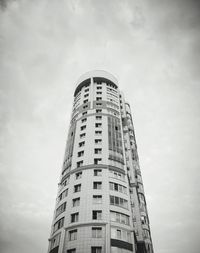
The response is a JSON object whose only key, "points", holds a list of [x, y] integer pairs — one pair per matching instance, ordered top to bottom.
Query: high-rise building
{"points": [[100, 206]]}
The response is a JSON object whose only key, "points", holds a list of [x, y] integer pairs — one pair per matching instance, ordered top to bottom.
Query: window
{"points": [[99, 87], [86, 90], [99, 92], [86, 95], [99, 98], [85, 101], [98, 104], [85, 106], [98, 110], [84, 113], [98, 117], [84, 120], [98, 124], [83, 127], [98, 132], [82, 135], [115, 137], [97, 141], [81, 144], [97, 150], [80, 153], [97, 160], [79, 164], [67, 167], [97, 172], [78, 175], [117, 175], [66, 181], [97, 185], [117, 187], [77, 188], [63, 195], [141, 197], [97, 199], [75, 202], [118, 202], [61, 209], [97, 215], [74, 217], [119, 217], [143, 220], [59, 224], [96, 232], [146, 233], [120, 234], [73, 235], [55, 241], [96, 249], [71, 251]]}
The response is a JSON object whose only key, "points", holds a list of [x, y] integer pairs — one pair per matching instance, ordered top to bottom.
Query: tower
{"points": [[100, 206]]}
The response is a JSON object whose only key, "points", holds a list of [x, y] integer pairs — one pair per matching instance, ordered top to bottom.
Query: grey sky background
{"points": [[152, 47]]}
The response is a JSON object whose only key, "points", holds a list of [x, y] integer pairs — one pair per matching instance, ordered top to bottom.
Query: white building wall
{"points": [[110, 107]]}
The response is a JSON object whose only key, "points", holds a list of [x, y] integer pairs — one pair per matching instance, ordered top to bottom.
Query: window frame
{"points": [[98, 125], [82, 127], [82, 135], [98, 141], [81, 144], [98, 151], [80, 153], [79, 164], [97, 174], [78, 175], [96, 185], [77, 188], [97, 199], [76, 202], [96, 214], [74, 217], [97, 232], [73, 234], [71, 250]]}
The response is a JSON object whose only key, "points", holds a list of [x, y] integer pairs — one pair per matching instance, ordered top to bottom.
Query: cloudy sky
{"points": [[152, 47]]}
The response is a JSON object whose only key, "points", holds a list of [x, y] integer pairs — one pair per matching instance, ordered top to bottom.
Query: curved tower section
{"points": [[100, 206]]}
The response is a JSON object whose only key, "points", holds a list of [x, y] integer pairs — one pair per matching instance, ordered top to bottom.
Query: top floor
{"points": [[95, 76]]}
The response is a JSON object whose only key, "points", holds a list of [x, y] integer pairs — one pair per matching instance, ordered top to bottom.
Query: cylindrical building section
{"points": [[93, 210]]}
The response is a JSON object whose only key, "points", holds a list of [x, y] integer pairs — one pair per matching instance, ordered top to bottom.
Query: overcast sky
{"points": [[152, 47]]}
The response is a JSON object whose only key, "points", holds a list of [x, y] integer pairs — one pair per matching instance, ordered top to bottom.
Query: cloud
{"points": [[176, 25], [152, 48]]}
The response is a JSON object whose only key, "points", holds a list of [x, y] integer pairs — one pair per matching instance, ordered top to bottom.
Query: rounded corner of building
{"points": [[95, 74]]}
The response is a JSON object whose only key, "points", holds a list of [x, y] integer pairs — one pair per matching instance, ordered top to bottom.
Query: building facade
{"points": [[100, 206]]}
